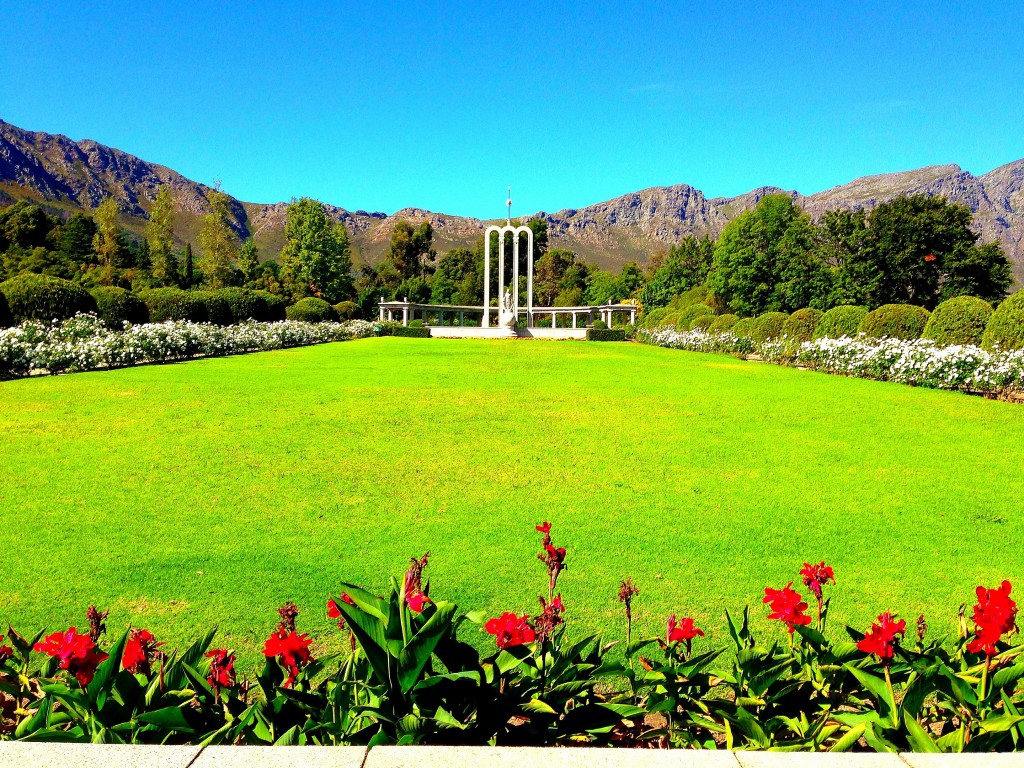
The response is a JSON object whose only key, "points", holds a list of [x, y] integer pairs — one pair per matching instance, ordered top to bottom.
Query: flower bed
{"points": [[84, 343], [917, 362], [411, 677]]}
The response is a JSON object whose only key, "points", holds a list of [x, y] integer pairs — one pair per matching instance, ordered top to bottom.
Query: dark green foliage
{"points": [[24, 225], [686, 266], [699, 294], [40, 297], [174, 304], [243, 304], [116, 306], [277, 306], [311, 310], [346, 310], [218, 311], [5, 313], [690, 313], [654, 317], [960, 320], [840, 321], [895, 321], [702, 322], [724, 322], [801, 324], [600, 325], [768, 326], [742, 327], [1005, 327], [411, 332], [606, 334]]}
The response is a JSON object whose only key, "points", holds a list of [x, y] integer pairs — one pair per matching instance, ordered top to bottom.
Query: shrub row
{"points": [[958, 321], [606, 334], [418, 669]]}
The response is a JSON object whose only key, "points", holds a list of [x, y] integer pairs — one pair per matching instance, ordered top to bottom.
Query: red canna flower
{"points": [[930, 257], [544, 527], [815, 576], [412, 588], [416, 601], [787, 606], [994, 616], [550, 617], [510, 630], [685, 630], [881, 638], [291, 649], [6, 652], [139, 652], [78, 654], [222, 668]]}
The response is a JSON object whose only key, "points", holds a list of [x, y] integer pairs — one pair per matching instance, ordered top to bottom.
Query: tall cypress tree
{"points": [[187, 267]]}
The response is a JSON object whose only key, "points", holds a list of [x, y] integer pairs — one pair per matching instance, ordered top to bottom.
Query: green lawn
{"points": [[184, 495]]}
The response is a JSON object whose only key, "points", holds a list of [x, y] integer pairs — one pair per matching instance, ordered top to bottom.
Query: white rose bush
{"points": [[84, 343], [920, 362]]}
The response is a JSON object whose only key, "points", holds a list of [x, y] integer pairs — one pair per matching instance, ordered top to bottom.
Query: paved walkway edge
{"points": [[46, 755]]}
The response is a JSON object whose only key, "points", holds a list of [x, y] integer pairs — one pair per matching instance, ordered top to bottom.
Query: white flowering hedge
{"points": [[84, 343], [919, 362]]}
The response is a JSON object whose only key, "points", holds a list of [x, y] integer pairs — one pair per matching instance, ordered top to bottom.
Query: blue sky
{"points": [[441, 105]]}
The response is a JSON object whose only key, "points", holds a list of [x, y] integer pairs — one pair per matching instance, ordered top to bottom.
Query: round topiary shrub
{"points": [[698, 295], [41, 297], [174, 304], [243, 304], [116, 306], [277, 306], [311, 310], [346, 310], [218, 311], [690, 313], [652, 318], [669, 320], [960, 320], [840, 321], [895, 321], [726, 322], [702, 323], [801, 324], [768, 326], [742, 327], [1005, 328]]}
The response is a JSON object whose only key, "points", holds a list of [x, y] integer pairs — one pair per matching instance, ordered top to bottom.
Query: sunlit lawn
{"points": [[210, 492]]}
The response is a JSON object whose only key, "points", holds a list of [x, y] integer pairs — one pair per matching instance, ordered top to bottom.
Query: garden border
{"points": [[46, 754]]}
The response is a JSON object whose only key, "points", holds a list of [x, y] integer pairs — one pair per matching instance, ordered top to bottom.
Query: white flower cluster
{"points": [[84, 343], [919, 362]]}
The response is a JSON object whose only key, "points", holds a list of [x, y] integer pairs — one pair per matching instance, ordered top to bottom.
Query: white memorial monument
{"points": [[508, 298]]}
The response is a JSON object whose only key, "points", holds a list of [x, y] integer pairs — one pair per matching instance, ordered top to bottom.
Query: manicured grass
{"points": [[212, 491]]}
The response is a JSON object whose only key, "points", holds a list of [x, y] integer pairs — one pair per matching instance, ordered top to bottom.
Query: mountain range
{"points": [[64, 175]]}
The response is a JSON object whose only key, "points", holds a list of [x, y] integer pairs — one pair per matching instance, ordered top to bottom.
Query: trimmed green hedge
{"points": [[697, 295], [41, 297], [174, 304], [244, 304], [116, 306], [277, 306], [217, 309], [311, 310], [346, 310], [688, 314], [654, 317], [961, 320], [840, 321], [895, 321], [724, 322], [702, 323], [801, 324], [768, 326], [742, 327], [1005, 328], [411, 333], [605, 334]]}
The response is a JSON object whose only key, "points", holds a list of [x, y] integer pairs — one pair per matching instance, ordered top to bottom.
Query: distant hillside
{"points": [[66, 175]]}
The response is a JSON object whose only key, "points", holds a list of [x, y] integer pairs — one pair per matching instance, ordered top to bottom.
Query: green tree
{"points": [[24, 225], [539, 227], [160, 236], [75, 237], [217, 241], [840, 243], [108, 244], [411, 249], [249, 260], [315, 260], [763, 261], [685, 266], [188, 267], [456, 271], [548, 272]]}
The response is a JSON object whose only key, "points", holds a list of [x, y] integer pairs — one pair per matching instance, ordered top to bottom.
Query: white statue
{"points": [[508, 311]]}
